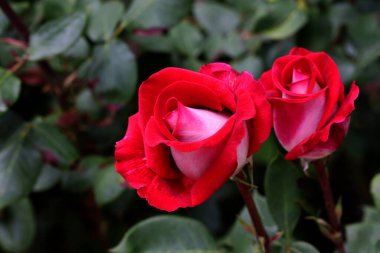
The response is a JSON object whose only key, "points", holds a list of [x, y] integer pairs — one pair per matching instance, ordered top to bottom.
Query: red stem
{"points": [[15, 20], [329, 203], [254, 214]]}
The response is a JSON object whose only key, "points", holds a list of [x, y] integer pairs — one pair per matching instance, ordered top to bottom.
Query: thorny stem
{"points": [[15, 20], [245, 192], [329, 204]]}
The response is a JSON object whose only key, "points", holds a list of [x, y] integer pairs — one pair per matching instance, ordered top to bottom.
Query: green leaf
{"points": [[156, 13], [216, 18], [103, 20], [3, 22], [288, 27], [56, 36], [186, 38], [156, 43], [233, 44], [213, 46], [80, 49], [254, 65], [113, 67], [10, 87], [85, 102], [9, 123], [49, 137], [268, 149], [20, 165], [48, 177], [83, 178], [108, 185], [375, 190], [282, 193], [371, 215], [17, 226], [169, 234], [363, 237], [238, 239], [303, 247]]}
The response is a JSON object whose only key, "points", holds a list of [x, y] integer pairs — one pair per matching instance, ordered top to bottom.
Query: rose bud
{"points": [[311, 114], [192, 132]]}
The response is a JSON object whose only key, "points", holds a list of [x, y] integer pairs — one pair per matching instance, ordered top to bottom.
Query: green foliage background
{"points": [[68, 85]]}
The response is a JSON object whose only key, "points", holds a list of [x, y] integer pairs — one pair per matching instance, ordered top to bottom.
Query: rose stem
{"points": [[15, 20], [329, 203], [255, 217]]}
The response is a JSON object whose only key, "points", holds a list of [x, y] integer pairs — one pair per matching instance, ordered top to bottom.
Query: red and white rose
{"points": [[311, 113], [192, 132]]}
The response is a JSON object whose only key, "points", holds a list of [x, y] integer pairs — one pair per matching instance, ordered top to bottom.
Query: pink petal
{"points": [[294, 122], [190, 124]]}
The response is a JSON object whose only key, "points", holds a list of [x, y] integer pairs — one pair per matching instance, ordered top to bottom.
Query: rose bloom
{"points": [[311, 114], [192, 132]]}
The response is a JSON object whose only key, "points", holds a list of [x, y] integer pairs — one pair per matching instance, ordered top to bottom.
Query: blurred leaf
{"points": [[245, 5], [87, 6], [52, 9], [156, 13], [340, 14], [216, 18], [3, 21], [103, 21], [288, 27], [364, 30], [56, 36], [310, 36], [186, 38], [154, 43], [233, 44], [213, 46], [80, 49], [280, 49], [367, 56], [191, 64], [254, 65], [113, 67], [346, 68], [10, 87], [85, 102], [9, 123], [49, 137], [268, 149], [20, 165], [48, 177], [84, 177], [108, 185], [375, 190], [282, 192], [371, 215], [17, 226], [168, 234], [362, 237], [239, 239], [303, 247]]}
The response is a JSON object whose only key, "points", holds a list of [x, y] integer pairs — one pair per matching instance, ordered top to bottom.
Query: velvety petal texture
{"points": [[311, 114], [192, 132]]}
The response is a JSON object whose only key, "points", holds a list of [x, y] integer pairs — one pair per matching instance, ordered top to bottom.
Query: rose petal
{"points": [[294, 122], [190, 124], [328, 139], [130, 157]]}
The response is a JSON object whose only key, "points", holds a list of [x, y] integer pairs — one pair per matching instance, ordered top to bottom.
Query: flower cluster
{"points": [[194, 130]]}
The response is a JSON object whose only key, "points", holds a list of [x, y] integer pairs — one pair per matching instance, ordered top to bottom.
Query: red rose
{"points": [[310, 111], [191, 133]]}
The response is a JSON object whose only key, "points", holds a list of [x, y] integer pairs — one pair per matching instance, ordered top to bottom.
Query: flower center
{"points": [[302, 84], [190, 125]]}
